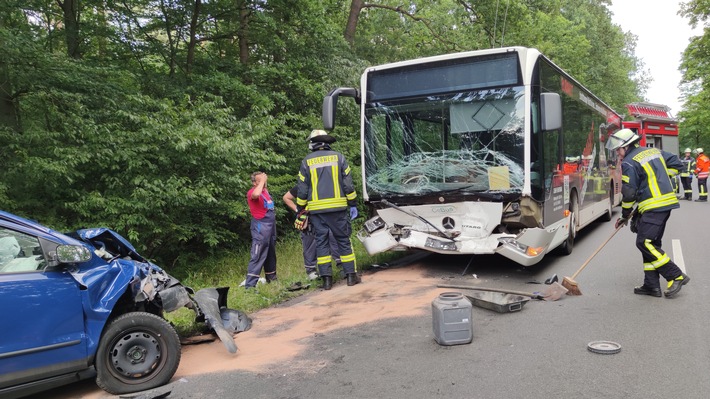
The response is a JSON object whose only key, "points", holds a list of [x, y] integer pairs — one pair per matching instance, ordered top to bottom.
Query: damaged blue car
{"points": [[85, 304]]}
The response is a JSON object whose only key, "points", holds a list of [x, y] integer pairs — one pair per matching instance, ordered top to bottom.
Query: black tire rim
{"points": [[136, 355]]}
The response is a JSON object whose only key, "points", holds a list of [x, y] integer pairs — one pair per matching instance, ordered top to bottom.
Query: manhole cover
{"points": [[604, 347]]}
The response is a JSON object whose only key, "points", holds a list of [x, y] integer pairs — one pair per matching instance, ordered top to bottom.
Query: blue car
{"points": [[85, 304]]}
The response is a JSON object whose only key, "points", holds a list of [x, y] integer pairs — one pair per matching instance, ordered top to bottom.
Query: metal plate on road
{"points": [[604, 347]]}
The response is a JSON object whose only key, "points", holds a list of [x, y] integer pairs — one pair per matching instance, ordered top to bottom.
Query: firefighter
{"points": [[702, 169], [686, 174], [646, 184], [326, 191]]}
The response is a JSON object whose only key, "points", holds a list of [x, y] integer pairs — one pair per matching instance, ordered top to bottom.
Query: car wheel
{"points": [[137, 351]]}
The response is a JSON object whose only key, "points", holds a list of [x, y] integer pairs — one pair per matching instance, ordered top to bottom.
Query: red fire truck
{"points": [[655, 124]]}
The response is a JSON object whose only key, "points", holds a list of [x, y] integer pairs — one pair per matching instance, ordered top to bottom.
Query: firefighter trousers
{"points": [[687, 188], [703, 189], [338, 223], [650, 229], [263, 249], [310, 257]]}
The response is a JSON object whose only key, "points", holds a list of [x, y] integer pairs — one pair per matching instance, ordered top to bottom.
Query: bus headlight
{"points": [[374, 224], [527, 250]]}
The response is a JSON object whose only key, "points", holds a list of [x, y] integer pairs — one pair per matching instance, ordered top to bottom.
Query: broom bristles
{"points": [[572, 286]]}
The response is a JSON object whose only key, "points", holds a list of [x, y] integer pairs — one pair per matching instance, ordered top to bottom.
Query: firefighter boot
{"points": [[353, 279], [327, 282], [675, 285], [644, 290]]}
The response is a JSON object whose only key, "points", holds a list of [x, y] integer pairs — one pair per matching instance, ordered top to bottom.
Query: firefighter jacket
{"points": [[688, 166], [702, 166], [646, 181], [325, 183]]}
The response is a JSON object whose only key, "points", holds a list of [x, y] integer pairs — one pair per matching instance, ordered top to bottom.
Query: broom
{"points": [[570, 283]]}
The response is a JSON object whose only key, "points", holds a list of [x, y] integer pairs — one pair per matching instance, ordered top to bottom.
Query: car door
{"points": [[41, 312]]}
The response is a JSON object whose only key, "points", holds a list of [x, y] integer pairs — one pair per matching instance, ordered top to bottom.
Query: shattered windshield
{"points": [[469, 142]]}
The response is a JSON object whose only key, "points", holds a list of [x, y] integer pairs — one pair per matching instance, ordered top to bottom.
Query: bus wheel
{"points": [[568, 244]]}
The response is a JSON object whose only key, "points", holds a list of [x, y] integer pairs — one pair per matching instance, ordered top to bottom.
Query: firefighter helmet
{"points": [[320, 136], [622, 138], [688, 150], [699, 150]]}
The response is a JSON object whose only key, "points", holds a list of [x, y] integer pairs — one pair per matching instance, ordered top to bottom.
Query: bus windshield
{"points": [[468, 142]]}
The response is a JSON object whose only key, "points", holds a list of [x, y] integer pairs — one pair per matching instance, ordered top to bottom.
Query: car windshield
{"points": [[467, 142]]}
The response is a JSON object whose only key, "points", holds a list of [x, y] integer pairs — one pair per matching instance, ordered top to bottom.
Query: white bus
{"points": [[481, 152]]}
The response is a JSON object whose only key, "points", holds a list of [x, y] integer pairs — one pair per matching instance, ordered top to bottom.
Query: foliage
{"points": [[695, 66], [148, 116]]}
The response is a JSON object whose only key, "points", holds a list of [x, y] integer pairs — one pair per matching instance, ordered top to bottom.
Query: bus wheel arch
{"points": [[606, 217], [568, 244]]}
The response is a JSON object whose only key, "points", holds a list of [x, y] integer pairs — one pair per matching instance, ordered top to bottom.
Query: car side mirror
{"points": [[73, 254]]}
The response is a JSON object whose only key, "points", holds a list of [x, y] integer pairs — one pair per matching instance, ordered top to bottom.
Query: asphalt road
{"points": [[538, 352]]}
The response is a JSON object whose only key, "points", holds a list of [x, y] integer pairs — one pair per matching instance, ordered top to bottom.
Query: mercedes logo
{"points": [[448, 223]]}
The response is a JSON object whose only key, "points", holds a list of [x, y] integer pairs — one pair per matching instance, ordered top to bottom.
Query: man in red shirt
{"points": [[263, 232]]}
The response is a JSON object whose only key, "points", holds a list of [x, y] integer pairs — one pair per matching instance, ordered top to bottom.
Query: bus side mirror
{"points": [[330, 104], [551, 110]]}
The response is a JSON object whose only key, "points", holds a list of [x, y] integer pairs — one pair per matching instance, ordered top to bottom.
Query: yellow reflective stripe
{"points": [[347, 171], [301, 177], [625, 178], [336, 181], [652, 182], [314, 184], [351, 196], [301, 202], [654, 203], [327, 204], [627, 205], [348, 258], [324, 259], [661, 259]]}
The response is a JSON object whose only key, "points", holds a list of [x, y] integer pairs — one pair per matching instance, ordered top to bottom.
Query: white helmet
{"points": [[622, 138], [688, 150], [699, 150]]}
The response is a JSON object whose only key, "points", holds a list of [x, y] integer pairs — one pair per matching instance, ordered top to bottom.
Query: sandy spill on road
{"points": [[281, 333], [278, 335]]}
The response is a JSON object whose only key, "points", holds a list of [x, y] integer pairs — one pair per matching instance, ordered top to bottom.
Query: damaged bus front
{"points": [[462, 154]]}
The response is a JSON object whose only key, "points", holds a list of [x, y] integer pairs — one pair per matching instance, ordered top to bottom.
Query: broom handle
{"points": [[596, 252]]}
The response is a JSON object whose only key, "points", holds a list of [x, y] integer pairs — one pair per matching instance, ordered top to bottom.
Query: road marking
{"points": [[678, 255]]}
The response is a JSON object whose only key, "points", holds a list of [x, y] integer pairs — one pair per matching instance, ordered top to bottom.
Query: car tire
{"points": [[137, 351]]}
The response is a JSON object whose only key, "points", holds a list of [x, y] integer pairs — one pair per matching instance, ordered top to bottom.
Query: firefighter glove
{"points": [[353, 212], [301, 222], [621, 222]]}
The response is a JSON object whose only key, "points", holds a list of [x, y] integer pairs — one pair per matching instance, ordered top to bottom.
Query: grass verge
{"points": [[229, 269]]}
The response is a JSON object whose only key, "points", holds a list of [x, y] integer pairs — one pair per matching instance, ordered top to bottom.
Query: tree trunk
{"points": [[70, 9], [350, 28], [243, 29], [193, 40]]}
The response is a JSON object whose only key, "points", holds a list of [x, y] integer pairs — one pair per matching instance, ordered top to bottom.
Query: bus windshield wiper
{"points": [[384, 201]]}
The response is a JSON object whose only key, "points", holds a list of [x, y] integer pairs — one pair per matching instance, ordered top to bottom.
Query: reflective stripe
{"points": [[347, 170], [301, 177], [624, 178], [336, 181], [652, 181], [314, 184], [351, 196], [331, 203], [655, 203], [627, 205], [347, 258], [661, 259], [324, 260]]}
